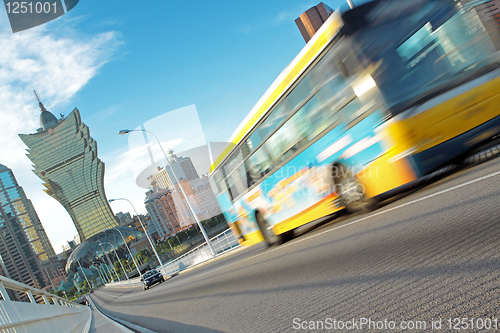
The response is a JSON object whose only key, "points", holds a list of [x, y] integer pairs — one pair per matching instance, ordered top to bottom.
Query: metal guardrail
{"points": [[222, 243], [59, 316]]}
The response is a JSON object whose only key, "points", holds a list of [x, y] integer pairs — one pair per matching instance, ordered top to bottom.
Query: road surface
{"points": [[427, 258]]}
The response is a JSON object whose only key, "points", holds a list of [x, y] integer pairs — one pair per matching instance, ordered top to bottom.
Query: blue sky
{"points": [[122, 63]]}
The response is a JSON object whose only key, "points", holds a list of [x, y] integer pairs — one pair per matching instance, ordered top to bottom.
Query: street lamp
{"points": [[123, 132], [145, 231], [130, 252], [109, 261], [124, 271], [100, 274], [107, 274], [84, 275], [49, 278]]}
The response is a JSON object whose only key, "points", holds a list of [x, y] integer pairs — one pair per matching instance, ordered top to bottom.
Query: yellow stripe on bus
{"points": [[322, 208], [252, 238]]}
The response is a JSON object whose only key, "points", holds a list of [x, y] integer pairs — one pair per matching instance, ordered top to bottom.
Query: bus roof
{"points": [[284, 81]]}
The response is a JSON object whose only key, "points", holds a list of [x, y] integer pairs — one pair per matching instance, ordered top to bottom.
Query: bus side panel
{"points": [[457, 124], [429, 136], [302, 190], [241, 222]]}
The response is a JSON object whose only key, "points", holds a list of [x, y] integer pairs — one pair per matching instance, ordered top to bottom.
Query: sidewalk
{"points": [[101, 323]]}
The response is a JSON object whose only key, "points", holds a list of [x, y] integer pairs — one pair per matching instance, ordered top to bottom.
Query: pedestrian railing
{"points": [[222, 243], [124, 283], [55, 314]]}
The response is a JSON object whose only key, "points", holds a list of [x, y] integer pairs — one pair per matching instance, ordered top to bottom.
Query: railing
{"points": [[222, 243], [60, 315]]}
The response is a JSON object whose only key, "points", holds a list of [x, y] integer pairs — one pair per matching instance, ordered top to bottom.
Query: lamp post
{"points": [[123, 132], [145, 231], [130, 252], [109, 261], [123, 268], [99, 272], [103, 272], [107, 274], [84, 275], [49, 277]]}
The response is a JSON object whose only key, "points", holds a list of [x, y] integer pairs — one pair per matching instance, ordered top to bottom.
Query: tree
{"points": [[144, 255], [118, 267], [84, 286], [72, 291], [58, 293]]}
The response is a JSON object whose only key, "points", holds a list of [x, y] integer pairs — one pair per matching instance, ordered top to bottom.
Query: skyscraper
{"points": [[489, 14], [312, 19], [64, 156], [167, 206], [19, 210], [163, 212], [18, 261]]}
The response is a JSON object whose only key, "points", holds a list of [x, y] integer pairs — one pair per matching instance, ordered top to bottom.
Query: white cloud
{"points": [[57, 67], [135, 160]]}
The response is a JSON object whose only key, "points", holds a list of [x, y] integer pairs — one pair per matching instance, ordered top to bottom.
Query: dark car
{"points": [[150, 278]]}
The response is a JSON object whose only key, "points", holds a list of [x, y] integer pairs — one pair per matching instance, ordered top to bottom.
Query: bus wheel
{"points": [[351, 191], [266, 230], [287, 236]]}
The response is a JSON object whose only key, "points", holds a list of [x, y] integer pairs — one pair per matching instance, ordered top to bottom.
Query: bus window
{"points": [[426, 54], [322, 74], [275, 119], [286, 141], [232, 162], [259, 164], [237, 181], [218, 183]]}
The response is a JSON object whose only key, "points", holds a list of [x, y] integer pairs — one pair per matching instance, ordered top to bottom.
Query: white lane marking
{"points": [[341, 226]]}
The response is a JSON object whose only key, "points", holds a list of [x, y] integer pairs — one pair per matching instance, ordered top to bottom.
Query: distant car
{"points": [[150, 278]]}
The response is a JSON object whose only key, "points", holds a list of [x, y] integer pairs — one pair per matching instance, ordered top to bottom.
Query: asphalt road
{"points": [[430, 256]]}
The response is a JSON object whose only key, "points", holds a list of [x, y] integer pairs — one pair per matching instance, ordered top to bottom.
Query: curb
{"points": [[120, 322]]}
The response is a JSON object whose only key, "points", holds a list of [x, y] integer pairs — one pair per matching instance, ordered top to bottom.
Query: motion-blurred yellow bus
{"points": [[381, 96]]}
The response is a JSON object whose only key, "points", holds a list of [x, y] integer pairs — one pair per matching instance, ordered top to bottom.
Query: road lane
{"points": [[431, 254]]}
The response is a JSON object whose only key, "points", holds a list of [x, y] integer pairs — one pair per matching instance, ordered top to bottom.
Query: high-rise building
{"points": [[489, 14], [312, 19], [64, 156], [183, 167], [160, 180], [205, 199], [167, 206], [19, 210], [163, 212], [123, 217], [18, 260]]}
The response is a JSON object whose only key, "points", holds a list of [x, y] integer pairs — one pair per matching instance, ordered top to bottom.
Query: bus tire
{"points": [[350, 190], [269, 236], [287, 236]]}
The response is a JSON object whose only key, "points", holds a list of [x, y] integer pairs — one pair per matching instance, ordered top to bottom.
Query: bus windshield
{"points": [[425, 53]]}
